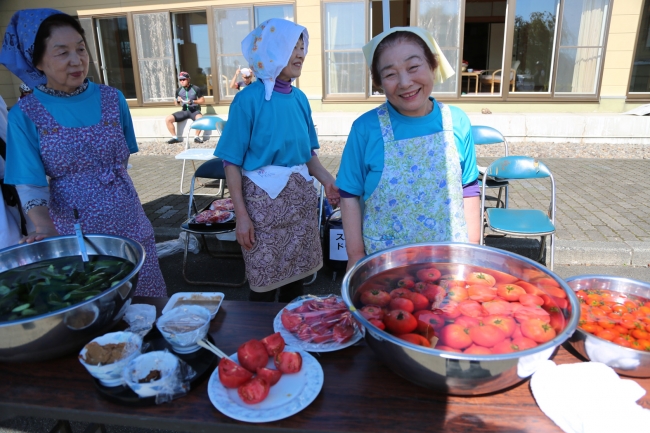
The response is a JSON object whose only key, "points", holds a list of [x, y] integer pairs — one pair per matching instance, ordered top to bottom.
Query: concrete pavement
{"points": [[603, 205]]}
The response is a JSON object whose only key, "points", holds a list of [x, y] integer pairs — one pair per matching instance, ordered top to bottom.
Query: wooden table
{"points": [[470, 75], [359, 394]]}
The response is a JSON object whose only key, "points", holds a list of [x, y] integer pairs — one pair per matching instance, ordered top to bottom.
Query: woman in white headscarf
{"points": [[268, 150], [411, 160]]}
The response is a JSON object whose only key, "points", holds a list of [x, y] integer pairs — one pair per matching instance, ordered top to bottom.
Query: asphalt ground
{"points": [[603, 227]]}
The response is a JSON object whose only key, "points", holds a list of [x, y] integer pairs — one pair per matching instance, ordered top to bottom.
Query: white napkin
{"points": [[273, 178], [589, 397]]}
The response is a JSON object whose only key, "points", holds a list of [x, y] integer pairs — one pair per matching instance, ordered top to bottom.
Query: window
{"points": [[344, 35], [192, 48], [115, 55], [155, 56], [93, 67], [640, 80]]}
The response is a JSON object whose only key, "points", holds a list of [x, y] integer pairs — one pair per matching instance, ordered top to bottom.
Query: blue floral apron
{"points": [[87, 173], [419, 197]]}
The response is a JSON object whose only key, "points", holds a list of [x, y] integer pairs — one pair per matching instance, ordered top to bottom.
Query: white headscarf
{"points": [[268, 49], [444, 69]]}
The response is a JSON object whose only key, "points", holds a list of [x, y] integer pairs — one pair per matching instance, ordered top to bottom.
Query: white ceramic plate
{"points": [[203, 299], [294, 341], [290, 395]]}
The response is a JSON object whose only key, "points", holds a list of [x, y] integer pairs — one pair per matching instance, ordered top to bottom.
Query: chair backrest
{"points": [[513, 69], [209, 123], [486, 135], [518, 167], [212, 169]]}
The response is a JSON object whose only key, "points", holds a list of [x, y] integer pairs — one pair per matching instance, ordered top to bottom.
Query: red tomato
{"points": [[428, 274], [502, 277], [480, 278], [547, 281], [406, 283], [531, 289], [553, 291], [510, 292], [400, 293], [433, 293], [481, 293], [457, 294], [380, 298], [531, 300], [552, 301], [420, 302], [401, 304], [497, 306], [472, 309], [450, 310], [372, 312], [526, 313], [430, 318], [557, 319], [291, 321], [400, 322], [467, 322], [378, 323], [506, 323], [538, 330], [342, 332], [517, 332], [486, 335], [455, 336], [416, 339], [524, 343], [273, 344], [505, 346], [447, 348], [478, 350], [252, 355], [288, 362], [231, 374], [270, 375], [254, 391]]}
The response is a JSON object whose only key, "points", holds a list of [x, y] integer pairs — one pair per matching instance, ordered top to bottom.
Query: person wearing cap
{"points": [[247, 78], [189, 97], [268, 147], [411, 161]]}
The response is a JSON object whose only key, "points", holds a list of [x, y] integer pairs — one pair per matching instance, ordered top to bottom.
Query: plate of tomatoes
{"points": [[318, 324], [287, 384]]}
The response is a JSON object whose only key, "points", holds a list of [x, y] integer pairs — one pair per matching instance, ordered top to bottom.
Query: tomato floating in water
{"points": [[430, 274], [480, 278], [510, 292], [375, 297], [401, 304], [372, 312], [400, 322], [538, 330], [486, 335], [455, 336], [415, 339]]}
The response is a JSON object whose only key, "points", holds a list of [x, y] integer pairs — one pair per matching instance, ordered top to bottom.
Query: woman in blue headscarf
{"points": [[77, 133]]}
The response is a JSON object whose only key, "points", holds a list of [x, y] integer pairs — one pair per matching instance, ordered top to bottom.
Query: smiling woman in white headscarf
{"points": [[268, 148], [411, 160]]}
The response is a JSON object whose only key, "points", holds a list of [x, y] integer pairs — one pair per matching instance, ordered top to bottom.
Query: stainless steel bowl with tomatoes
{"points": [[458, 318], [614, 325]]}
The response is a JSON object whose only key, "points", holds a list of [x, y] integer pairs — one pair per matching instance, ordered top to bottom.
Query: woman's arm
{"points": [[233, 83], [326, 179], [473, 218], [43, 225], [352, 228], [244, 230]]}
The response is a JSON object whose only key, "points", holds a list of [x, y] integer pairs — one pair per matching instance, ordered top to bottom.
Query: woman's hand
{"points": [[332, 194], [245, 232], [39, 234], [353, 259]]}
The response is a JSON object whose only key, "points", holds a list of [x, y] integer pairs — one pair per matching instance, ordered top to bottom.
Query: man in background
{"points": [[247, 78], [189, 97]]}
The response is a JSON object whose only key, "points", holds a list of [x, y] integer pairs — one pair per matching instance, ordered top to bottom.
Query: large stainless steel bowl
{"points": [[65, 331], [628, 362], [447, 372]]}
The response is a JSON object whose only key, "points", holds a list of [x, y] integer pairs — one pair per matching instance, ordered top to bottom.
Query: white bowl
{"points": [[173, 324], [140, 367], [111, 374]]}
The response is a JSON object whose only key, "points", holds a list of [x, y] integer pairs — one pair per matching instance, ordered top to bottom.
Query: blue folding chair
{"points": [[205, 123], [484, 135], [520, 222]]}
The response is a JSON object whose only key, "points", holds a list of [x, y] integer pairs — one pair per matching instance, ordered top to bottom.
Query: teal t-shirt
{"points": [[259, 132], [362, 162], [24, 164]]}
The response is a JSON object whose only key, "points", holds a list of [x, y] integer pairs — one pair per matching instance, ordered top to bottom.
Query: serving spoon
{"points": [[80, 237]]}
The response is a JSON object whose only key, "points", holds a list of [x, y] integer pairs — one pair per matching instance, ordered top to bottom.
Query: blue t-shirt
{"points": [[259, 132], [362, 162], [24, 164]]}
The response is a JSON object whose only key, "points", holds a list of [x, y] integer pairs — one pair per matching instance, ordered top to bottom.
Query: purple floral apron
{"points": [[87, 173]]}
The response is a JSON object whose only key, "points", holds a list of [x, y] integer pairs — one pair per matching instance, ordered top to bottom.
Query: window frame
{"points": [[637, 96]]}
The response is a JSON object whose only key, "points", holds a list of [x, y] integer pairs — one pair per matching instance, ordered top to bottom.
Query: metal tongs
{"points": [[80, 237], [212, 348]]}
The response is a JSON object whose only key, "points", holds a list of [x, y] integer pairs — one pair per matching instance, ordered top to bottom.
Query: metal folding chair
{"points": [[205, 123], [484, 135], [212, 169], [520, 222]]}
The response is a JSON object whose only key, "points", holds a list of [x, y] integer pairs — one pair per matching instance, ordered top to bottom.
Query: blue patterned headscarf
{"points": [[18, 45]]}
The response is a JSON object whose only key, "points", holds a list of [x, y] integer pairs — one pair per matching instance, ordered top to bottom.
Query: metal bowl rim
{"points": [[135, 270], [566, 333]]}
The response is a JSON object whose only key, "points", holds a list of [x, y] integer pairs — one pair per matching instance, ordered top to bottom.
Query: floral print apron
{"points": [[87, 173], [419, 197]]}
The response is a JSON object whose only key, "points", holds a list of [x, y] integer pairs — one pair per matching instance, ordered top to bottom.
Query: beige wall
{"points": [[619, 54]]}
